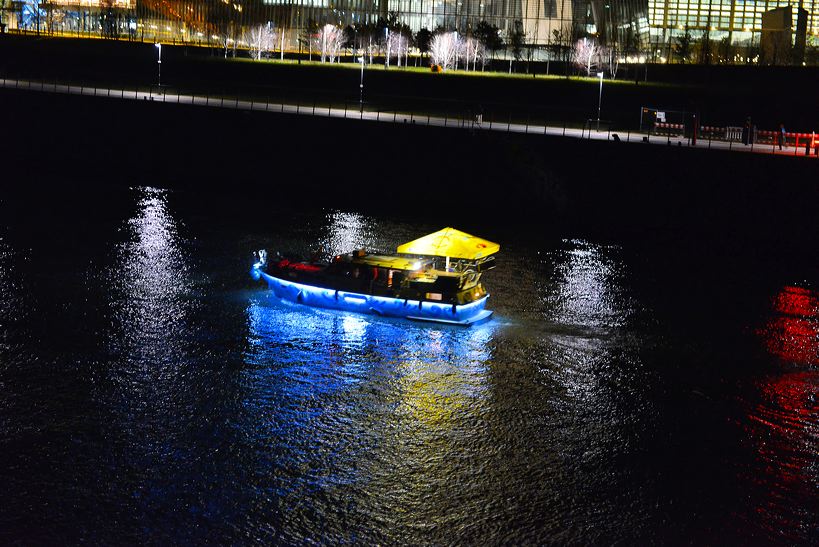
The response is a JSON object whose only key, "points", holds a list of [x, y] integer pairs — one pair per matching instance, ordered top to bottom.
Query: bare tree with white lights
{"points": [[260, 39], [331, 42], [398, 46], [443, 49], [473, 51], [587, 55], [612, 60]]}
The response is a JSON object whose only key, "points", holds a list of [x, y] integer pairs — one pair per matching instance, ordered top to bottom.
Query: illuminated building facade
{"points": [[183, 19], [722, 23], [654, 27]]}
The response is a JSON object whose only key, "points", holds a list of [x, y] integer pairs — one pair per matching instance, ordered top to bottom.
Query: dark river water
{"points": [[643, 390]]}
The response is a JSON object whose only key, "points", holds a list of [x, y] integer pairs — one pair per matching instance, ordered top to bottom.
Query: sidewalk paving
{"points": [[237, 103]]}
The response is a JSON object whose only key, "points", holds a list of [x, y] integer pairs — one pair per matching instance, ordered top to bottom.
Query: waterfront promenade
{"points": [[354, 111]]}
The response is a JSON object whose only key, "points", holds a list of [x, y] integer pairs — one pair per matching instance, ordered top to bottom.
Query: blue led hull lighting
{"points": [[418, 310]]}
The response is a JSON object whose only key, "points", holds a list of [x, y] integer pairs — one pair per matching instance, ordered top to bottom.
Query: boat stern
{"points": [[259, 264]]}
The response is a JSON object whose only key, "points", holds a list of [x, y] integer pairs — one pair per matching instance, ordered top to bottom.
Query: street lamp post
{"points": [[159, 65], [361, 85], [599, 99]]}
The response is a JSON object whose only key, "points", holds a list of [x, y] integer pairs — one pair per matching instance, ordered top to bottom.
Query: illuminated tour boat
{"points": [[434, 278]]}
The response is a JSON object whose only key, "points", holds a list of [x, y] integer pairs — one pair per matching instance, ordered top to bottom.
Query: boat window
{"points": [[341, 269], [397, 277]]}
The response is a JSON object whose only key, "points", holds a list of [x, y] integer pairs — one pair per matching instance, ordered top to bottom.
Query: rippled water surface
{"points": [[661, 390]]}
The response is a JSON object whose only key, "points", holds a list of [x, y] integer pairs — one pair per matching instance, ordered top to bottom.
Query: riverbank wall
{"points": [[721, 95], [53, 143]]}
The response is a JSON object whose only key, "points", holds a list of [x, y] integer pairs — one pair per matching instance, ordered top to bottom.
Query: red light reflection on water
{"points": [[792, 333], [788, 405], [783, 419], [785, 429]]}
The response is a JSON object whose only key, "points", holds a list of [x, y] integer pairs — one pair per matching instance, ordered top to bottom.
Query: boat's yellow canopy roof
{"points": [[452, 243]]}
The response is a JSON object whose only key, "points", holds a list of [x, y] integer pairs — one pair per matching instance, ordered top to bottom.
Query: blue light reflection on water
{"points": [[290, 333], [351, 398]]}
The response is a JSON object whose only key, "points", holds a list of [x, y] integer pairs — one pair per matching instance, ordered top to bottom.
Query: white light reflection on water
{"points": [[346, 232], [5, 283], [586, 288], [153, 299], [9, 301], [13, 302], [588, 309], [354, 327], [592, 377], [154, 392]]}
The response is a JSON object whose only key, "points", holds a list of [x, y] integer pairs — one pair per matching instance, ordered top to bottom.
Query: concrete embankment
{"points": [[722, 95], [548, 182]]}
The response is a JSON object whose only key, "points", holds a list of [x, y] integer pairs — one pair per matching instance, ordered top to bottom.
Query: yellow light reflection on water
{"points": [[446, 378]]}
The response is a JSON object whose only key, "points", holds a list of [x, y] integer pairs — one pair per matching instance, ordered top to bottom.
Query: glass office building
{"points": [[192, 19], [732, 22]]}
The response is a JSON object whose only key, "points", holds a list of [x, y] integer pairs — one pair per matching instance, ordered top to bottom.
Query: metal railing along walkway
{"points": [[354, 110]]}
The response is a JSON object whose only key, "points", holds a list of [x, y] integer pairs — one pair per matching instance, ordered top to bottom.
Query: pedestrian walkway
{"points": [[354, 111]]}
